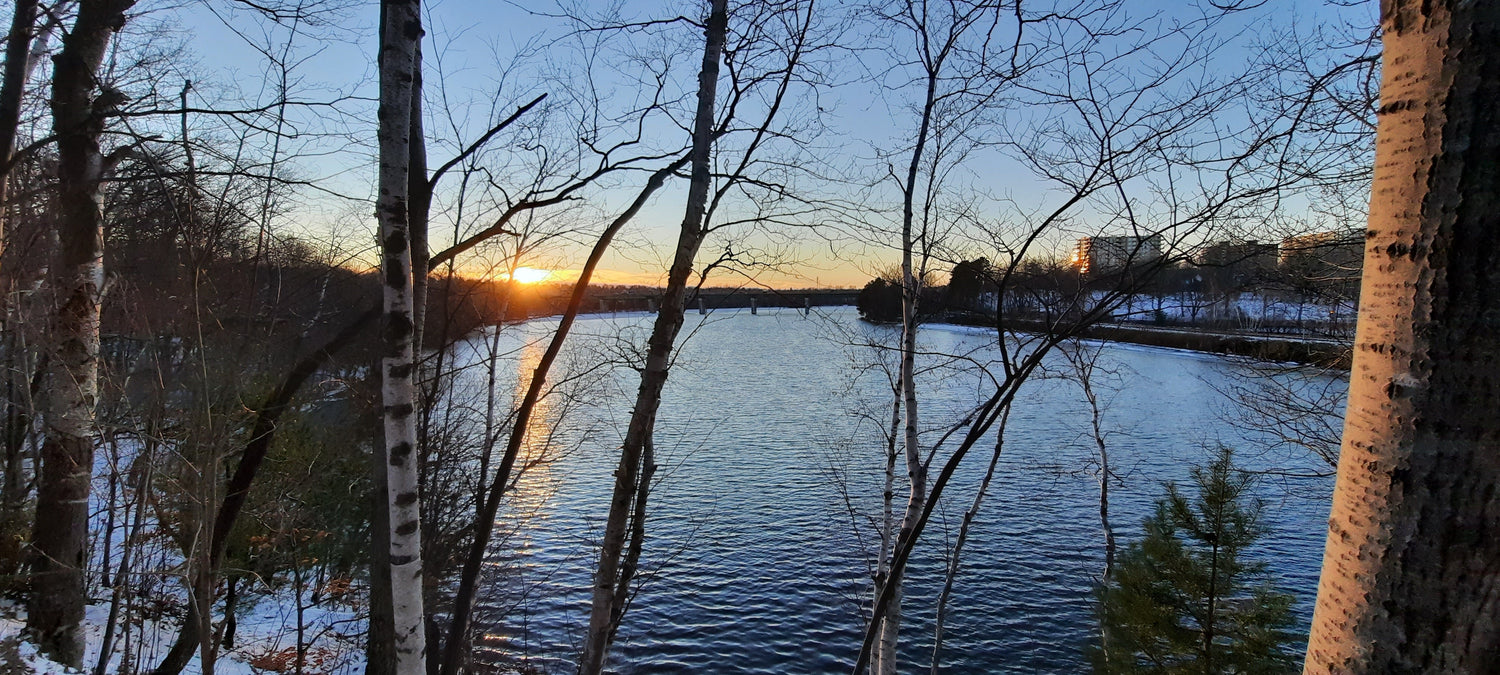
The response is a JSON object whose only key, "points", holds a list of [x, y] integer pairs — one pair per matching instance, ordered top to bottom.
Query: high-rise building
{"points": [[1337, 249], [1096, 255]]}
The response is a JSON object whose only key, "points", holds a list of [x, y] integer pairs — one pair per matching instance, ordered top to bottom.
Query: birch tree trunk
{"points": [[400, 33], [60, 537], [1410, 578], [603, 613], [379, 655], [883, 661]]}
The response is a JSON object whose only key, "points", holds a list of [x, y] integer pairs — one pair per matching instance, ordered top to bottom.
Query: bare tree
{"points": [[950, 49], [760, 63], [1117, 136], [17, 362], [1084, 368], [504, 478], [60, 538], [955, 555], [603, 614]]}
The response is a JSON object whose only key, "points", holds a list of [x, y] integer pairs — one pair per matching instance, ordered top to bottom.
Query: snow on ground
{"points": [[1246, 307], [266, 635], [265, 642]]}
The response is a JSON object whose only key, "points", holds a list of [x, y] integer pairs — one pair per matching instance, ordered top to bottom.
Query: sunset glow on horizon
{"points": [[530, 275]]}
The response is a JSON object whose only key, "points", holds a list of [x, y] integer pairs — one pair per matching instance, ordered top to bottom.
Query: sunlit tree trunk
{"points": [[400, 32], [60, 538], [1410, 576], [604, 611]]}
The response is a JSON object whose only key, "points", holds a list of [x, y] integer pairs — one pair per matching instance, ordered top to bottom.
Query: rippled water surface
{"points": [[757, 564]]}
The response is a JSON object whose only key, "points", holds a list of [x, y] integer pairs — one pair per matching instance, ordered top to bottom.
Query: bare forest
{"points": [[749, 336]]}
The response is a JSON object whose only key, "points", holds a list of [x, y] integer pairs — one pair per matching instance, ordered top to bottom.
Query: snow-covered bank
{"points": [[265, 641]]}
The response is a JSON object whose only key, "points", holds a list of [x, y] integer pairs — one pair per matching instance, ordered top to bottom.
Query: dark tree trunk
{"points": [[12, 86], [17, 413], [60, 538], [463, 601], [603, 613]]}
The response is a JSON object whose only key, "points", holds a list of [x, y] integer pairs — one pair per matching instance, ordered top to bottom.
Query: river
{"points": [[755, 561]]}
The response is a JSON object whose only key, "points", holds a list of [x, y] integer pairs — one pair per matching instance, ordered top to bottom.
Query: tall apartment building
{"points": [[1334, 249], [1097, 255]]}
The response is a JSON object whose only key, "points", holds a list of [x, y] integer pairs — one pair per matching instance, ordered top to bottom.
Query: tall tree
{"points": [[400, 34], [761, 63], [957, 72], [60, 539], [1409, 575], [603, 616]]}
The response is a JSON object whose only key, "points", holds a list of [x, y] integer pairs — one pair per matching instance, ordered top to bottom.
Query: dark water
{"points": [[758, 568]]}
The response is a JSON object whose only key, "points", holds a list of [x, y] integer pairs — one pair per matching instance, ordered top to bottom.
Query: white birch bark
{"points": [[400, 32], [60, 537], [1410, 576], [883, 661]]}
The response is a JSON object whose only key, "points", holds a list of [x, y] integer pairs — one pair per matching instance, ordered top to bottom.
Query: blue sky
{"points": [[472, 48]]}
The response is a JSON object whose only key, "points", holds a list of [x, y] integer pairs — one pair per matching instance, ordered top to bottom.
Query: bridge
{"points": [[710, 299]]}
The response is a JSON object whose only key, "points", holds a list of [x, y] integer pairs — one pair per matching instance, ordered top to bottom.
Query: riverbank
{"points": [[1311, 350], [1326, 352]]}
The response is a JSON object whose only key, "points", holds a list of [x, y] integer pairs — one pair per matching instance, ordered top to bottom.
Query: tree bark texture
{"points": [[400, 33], [419, 207], [60, 538], [1410, 578], [603, 614]]}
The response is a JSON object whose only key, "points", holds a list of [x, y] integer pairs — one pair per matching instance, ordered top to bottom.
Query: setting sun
{"points": [[530, 275]]}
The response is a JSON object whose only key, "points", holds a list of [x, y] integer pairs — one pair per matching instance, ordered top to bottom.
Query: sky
{"points": [[484, 57]]}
